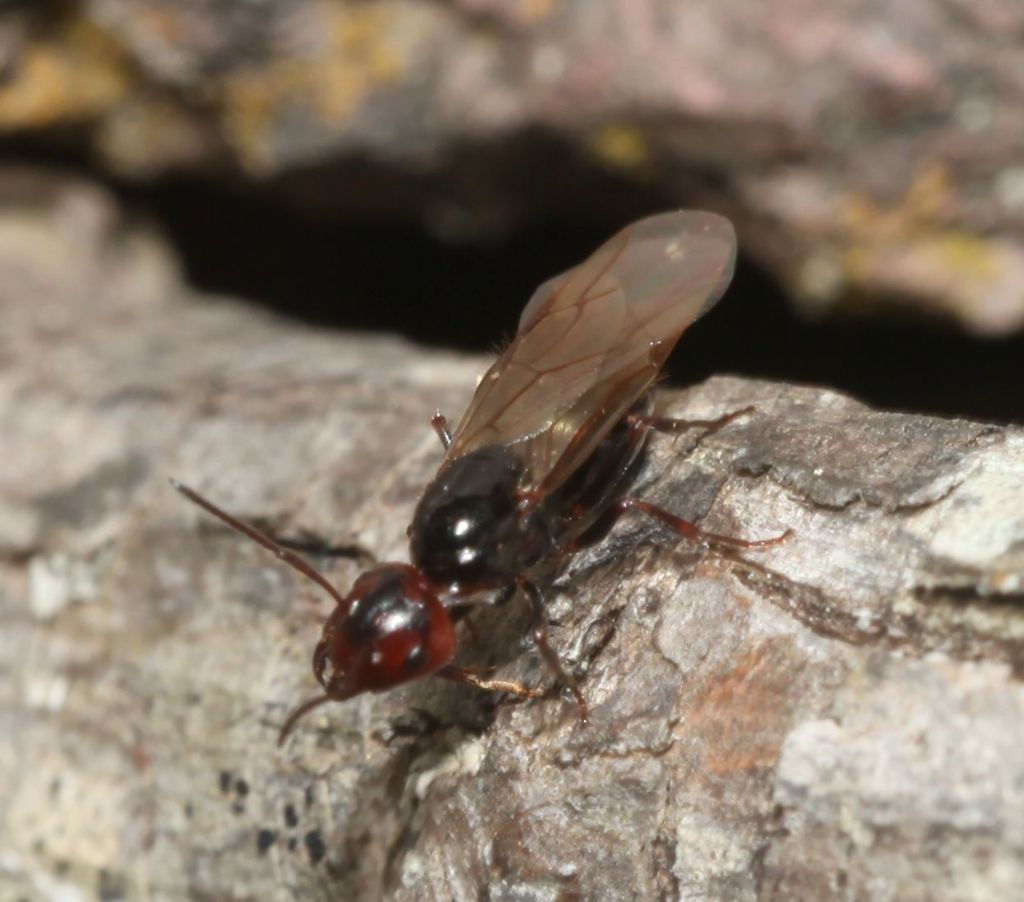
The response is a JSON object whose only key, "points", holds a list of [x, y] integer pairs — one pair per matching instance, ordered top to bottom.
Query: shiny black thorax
{"points": [[474, 529], [467, 533]]}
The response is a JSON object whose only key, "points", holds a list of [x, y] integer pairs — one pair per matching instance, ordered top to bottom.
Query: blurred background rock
{"points": [[420, 165]]}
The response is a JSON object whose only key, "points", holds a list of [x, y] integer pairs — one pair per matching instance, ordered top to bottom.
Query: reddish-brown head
{"points": [[393, 629]]}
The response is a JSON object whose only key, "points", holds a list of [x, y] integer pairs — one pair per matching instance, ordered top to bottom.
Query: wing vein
{"points": [[587, 350]]}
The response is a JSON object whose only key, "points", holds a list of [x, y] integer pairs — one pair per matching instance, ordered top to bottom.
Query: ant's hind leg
{"points": [[440, 423], [675, 424], [690, 530], [540, 639]]}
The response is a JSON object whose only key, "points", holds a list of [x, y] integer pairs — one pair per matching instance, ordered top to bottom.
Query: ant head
{"points": [[392, 629]]}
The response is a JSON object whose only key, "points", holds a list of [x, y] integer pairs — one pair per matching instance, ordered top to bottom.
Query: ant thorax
{"points": [[467, 531]]}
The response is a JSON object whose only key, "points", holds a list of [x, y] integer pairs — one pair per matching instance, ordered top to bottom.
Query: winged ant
{"points": [[538, 467]]}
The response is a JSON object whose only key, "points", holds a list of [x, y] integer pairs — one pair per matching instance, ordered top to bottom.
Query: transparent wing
{"points": [[592, 340]]}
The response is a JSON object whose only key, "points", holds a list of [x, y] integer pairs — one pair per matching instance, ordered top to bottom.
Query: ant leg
{"points": [[440, 423], [674, 424], [689, 529], [353, 552], [505, 595], [460, 611], [460, 614], [540, 639], [463, 675], [297, 714]]}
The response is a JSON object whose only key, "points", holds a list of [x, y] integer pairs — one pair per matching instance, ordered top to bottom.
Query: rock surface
{"points": [[870, 152], [840, 716]]}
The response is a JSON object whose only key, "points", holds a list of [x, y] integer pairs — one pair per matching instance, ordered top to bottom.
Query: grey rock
{"points": [[838, 716]]}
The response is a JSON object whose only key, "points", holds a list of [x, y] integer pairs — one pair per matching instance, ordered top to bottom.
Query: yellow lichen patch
{"points": [[534, 10], [165, 24], [365, 50], [363, 57], [75, 74], [250, 101], [149, 132], [621, 146], [929, 198], [909, 249], [965, 255], [967, 277]]}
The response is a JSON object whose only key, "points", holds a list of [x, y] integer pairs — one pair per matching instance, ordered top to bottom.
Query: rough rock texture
{"points": [[869, 151], [840, 716]]}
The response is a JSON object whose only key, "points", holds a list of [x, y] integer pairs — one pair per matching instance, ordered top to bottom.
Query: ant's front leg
{"points": [[440, 423], [461, 610], [539, 635], [540, 639], [471, 678]]}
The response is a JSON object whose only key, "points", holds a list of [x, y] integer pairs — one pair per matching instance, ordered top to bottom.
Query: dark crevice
{"points": [[392, 276], [396, 278], [1009, 604]]}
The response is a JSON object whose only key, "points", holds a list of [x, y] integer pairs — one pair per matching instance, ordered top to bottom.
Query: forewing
{"points": [[592, 340]]}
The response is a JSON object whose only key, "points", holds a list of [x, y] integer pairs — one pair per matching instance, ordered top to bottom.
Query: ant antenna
{"points": [[285, 554], [307, 706], [300, 712]]}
